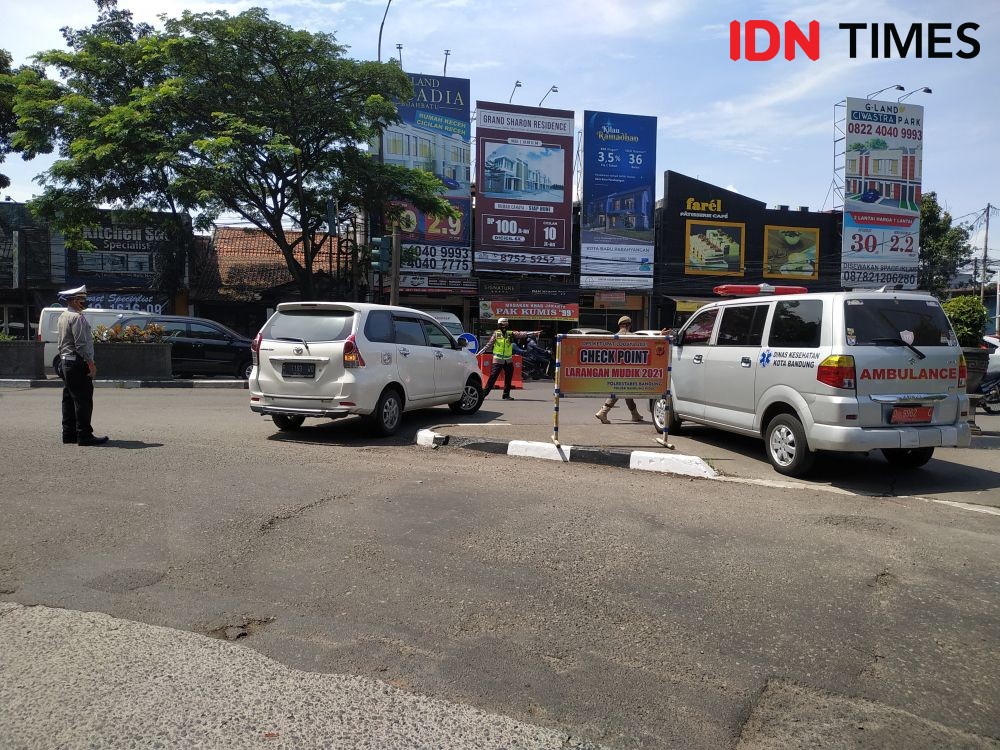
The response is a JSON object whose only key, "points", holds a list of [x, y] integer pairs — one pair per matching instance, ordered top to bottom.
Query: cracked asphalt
{"points": [[610, 607]]}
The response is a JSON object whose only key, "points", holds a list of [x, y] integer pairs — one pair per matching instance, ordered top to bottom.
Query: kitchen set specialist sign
{"points": [[882, 191], [524, 200], [616, 224]]}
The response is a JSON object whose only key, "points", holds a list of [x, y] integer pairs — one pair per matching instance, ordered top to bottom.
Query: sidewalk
{"points": [[54, 382], [84, 679]]}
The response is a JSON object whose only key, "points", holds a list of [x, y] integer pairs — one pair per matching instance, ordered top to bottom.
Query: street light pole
{"points": [[380, 30], [399, 47], [445, 71], [517, 85], [894, 87], [552, 89], [921, 90]]}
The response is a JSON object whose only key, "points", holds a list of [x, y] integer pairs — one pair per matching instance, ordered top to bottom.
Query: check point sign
{"points": [[602, 366]]}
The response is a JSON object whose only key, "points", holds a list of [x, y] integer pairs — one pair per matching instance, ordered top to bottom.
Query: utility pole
{"points": [[986, 244], [394, 270]]}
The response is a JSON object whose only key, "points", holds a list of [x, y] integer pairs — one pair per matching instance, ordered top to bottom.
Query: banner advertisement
{"points": [[434, 135], [524, 173], [882, 190], [619, 199], [791, 252], [409, 283], [528, 289], [144, 301], [493, 309], [627, 366]]}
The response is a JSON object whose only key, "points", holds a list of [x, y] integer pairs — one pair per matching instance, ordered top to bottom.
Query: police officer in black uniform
{"points": [[77, 369]]}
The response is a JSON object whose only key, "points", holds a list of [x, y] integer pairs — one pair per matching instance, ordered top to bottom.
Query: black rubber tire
{"points": [[243, 371], [472, 399], [991, 402], [388, 414], [287, 422], [786, 446], [907, 458]]}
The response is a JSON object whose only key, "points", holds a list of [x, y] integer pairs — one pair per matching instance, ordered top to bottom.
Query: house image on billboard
{"points": [[510, 174], [888, 177], [628, 209]]}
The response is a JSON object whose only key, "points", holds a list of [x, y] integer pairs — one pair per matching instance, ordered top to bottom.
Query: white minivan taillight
{"points": [[255, 347], [352, 355], [838, 371], [963, 371]]}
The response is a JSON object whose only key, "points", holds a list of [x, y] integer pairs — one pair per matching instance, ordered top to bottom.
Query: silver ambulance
{"points": [[837, 371]]}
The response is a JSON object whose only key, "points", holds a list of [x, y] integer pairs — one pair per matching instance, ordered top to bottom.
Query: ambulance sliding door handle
{"points": [[696, 359], [745, 362]]}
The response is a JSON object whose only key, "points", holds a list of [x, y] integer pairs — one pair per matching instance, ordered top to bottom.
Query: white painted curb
{"points": [[430, 439], [548, 451], [691, 466]]}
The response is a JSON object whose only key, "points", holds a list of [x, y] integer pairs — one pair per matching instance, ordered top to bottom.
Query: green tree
{"points": [[7, 88], [220, 113], [109, 156], [943, 248], [968, 317]]}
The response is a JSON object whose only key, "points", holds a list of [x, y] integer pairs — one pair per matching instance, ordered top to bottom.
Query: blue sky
{"points": [[764, 129]]}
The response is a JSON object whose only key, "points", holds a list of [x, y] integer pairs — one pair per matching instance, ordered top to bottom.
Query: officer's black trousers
{"points": [[77, 401]]}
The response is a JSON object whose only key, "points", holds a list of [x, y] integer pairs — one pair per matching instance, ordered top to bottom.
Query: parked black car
{"points": [[201, 346]]}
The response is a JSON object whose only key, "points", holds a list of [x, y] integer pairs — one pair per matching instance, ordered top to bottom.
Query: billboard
{"points": [[434, 135], [524, 158], [882, 173], [619, 199], [707, 235], [123, 255]]}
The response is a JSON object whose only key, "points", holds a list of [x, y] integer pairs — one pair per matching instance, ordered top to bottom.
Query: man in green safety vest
{"points": [[502, 342]]}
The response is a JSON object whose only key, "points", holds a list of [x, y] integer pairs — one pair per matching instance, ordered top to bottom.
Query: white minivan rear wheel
{"points": [[388, 414], [786, 446]]}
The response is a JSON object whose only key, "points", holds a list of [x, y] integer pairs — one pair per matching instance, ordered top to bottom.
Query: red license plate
{"points": [[911, 414]]}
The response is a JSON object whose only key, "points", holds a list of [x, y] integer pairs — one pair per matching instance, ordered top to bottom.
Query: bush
{"points": [[968, 317], [151, 334], [4, 336]]}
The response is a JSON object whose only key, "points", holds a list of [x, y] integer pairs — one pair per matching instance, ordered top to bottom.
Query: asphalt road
{"points": [[624, 608]]}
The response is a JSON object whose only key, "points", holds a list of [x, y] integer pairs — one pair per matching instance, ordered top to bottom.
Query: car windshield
{"points": [[875, 322], [309, 325], [452, 327]]}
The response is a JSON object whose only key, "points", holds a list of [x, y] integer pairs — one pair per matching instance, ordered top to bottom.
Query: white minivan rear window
{"points": [[920, 322], [309, 325]]}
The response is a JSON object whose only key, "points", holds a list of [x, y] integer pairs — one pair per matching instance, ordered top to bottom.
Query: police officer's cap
{"points": [[80, 291], [624, 319], [503, 322]]}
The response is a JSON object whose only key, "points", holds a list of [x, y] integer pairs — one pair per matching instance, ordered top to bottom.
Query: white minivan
{"points": [[48, 325], [334, 359], [833, 371]]}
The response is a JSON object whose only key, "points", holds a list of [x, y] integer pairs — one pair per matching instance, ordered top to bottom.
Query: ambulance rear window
{"points": [[916, 321]]}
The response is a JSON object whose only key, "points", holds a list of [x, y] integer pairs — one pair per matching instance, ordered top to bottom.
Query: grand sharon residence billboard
{"points": [[434, 135], [883, 162], [524, 172], [618, 202], [707, 236]]}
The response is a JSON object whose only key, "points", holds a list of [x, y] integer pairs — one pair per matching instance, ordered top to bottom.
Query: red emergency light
{"points": [[753, 290]]}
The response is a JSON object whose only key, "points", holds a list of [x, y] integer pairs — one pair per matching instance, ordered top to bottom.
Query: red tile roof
{"points": [[239, 264]]}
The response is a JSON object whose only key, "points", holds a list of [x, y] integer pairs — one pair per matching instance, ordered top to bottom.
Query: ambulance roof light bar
{"points": [[754, 290]]}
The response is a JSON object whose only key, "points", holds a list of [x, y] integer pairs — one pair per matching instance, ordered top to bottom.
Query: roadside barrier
{"points": [[486, 363]]}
